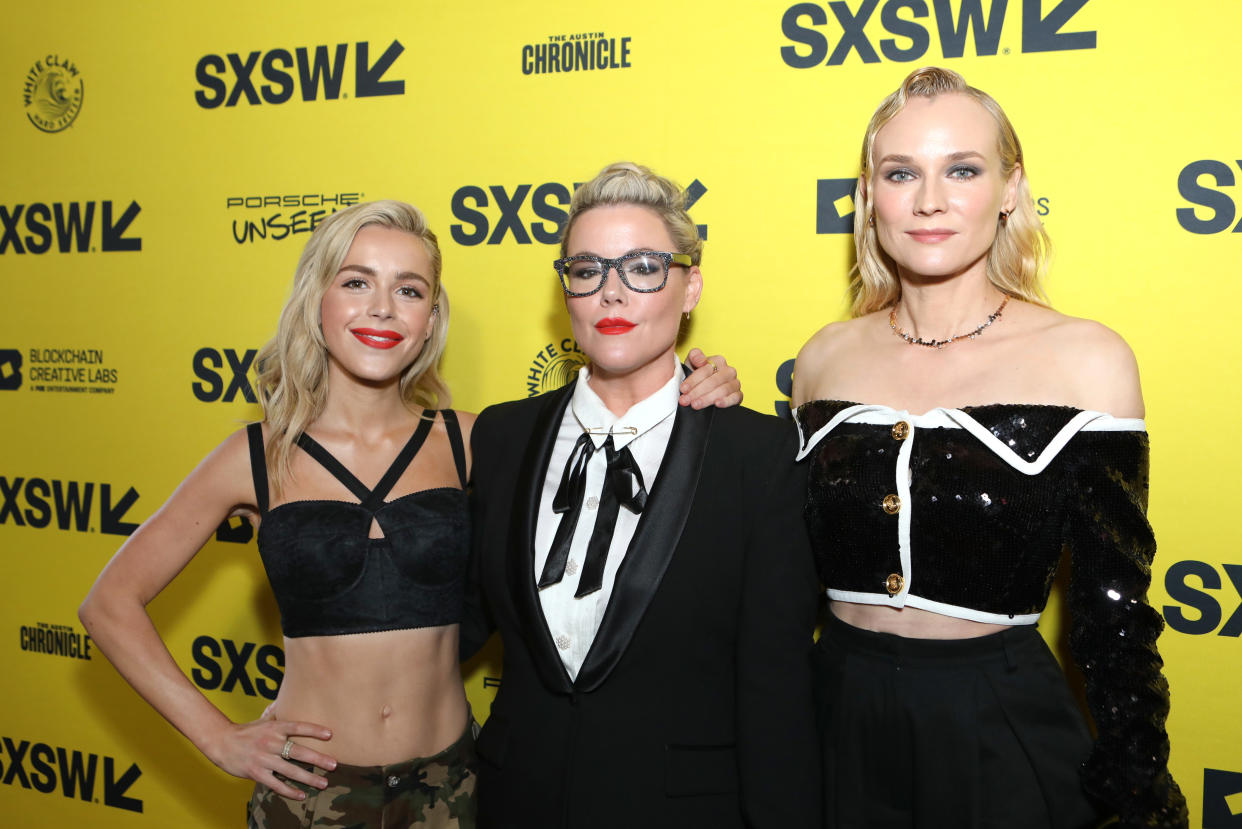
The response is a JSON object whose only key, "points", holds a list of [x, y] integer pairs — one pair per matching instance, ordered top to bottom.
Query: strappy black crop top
{"points": [[331, 579]]}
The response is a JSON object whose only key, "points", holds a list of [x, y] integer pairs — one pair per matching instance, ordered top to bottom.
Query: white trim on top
{"points": [[941, 608]]}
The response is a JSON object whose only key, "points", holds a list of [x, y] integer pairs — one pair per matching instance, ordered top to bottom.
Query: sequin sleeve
{"points": [[1114, 631]]}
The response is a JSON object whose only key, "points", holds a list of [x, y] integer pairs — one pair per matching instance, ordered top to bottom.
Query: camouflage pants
{"points": [[433, 792]]}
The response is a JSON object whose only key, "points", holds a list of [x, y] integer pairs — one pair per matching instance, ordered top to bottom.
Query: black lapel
{"points": [[656, 537], [520, 553]]}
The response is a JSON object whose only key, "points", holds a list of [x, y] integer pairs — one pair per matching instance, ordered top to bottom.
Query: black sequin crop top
{"points": [[965, 512], [331, 579]]}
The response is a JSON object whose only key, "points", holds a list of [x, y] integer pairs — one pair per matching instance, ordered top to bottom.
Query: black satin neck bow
{"points": [[621, 471]]}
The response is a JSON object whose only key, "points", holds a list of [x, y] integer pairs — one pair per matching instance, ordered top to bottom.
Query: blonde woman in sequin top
{"points": [[960, 433]]}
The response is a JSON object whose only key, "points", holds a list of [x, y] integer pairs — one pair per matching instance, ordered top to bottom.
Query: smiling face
{"points": [[938, 187], [377, 312], [628, 335]]}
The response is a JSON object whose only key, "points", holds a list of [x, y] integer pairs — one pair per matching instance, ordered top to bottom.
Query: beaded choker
{"points": [[992, 317]]}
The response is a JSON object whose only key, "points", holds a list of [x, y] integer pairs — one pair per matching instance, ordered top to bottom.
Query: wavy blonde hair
{"points": [[625, 182], [1018, 257], [292, 368]]}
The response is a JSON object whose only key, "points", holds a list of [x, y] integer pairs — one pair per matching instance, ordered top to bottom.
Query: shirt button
{"points": [[901, 430], [592, 502], [891, 504], [894, 583], [562, 642], [394, 781]]}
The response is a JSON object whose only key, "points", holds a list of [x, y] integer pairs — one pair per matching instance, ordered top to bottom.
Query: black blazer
{"points": [[693, 707]]}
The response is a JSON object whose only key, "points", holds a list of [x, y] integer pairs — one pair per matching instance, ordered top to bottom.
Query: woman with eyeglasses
{"points": [[960, 434], [357, 485], [646, 565]]}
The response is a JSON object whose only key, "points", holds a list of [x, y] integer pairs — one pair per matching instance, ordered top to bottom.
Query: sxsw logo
{"points": [[909, 40], [229, 79], [1223, 208], [477, 223], [33, 228], [10, 369], [218, 382], [784, 385], [69, 503], [1200, 597], [225, 665], [74, 774], [1222, 799]]}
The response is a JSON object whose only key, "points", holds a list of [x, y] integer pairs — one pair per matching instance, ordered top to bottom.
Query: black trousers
{"points": [[957, 734]]}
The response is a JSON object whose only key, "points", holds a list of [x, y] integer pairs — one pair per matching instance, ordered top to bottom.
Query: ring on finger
{"points": [[715, 368], [284, 752]]}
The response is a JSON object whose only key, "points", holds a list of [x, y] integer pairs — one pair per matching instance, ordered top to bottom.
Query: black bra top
{"points": [[331, 579]]}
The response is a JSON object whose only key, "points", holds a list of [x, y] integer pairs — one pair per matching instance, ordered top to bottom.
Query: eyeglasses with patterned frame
{"points": [[643, 272]]}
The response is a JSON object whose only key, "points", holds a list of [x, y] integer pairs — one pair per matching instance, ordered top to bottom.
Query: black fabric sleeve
{"points": [[477, 624], [1114, 630], [778, 750]]}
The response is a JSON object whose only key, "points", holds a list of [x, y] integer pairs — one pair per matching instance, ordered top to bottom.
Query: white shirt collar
{"points": [[595, 418]]}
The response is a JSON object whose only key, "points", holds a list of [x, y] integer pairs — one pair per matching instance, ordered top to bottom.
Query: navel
{"points": [[386, 712]]}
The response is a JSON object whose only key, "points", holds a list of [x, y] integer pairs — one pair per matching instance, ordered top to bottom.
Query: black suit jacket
{"points": [[693, 707]]}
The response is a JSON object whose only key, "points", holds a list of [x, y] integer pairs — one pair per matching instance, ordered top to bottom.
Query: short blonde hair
{"points": [[627, 183], [1018, 258], [292, 367]]}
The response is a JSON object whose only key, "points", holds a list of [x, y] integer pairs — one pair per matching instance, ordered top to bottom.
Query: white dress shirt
{"points": [[645, 429]]}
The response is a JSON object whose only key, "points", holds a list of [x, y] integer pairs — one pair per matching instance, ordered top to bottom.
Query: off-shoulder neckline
{"points": [[970, 408]]}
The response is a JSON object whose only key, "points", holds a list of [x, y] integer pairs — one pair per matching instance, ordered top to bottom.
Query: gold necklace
{"points": [[992, 317]]}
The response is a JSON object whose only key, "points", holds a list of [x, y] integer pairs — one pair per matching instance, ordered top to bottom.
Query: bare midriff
{"points": [[910, 622], [388, 697]]}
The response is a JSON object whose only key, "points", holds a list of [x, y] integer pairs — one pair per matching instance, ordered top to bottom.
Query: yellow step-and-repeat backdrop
{"points": [[162, 166]]}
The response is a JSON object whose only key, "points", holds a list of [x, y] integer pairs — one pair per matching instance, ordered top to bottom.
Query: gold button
{"points": [[901, 430], [892, 504], [894, 583]]}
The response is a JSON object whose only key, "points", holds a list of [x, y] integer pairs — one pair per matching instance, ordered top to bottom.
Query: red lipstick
{"points": [[613, 325], [376, 338]]}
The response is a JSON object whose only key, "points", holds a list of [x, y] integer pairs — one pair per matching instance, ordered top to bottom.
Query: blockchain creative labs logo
{"points": [[904, 33], [577, 52], [52, 93], [834, 205], [278, 216], [554, 365], [10, 369], [59, 370], [55, 640], [72, 773], [1222, 799]]}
